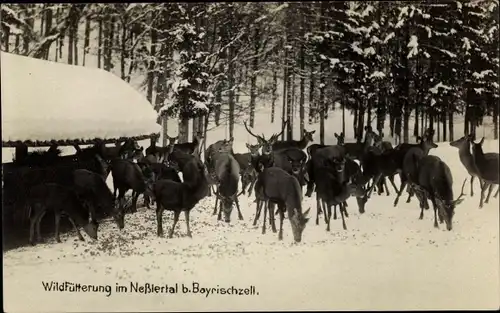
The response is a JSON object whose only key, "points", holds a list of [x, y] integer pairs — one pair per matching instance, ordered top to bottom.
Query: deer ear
{"points": [[313, 132], [336, 135], [482, 141], [247, 145], [458, 201]]}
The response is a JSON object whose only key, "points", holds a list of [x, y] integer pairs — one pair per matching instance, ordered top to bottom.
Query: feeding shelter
{"points": [[47, 103]]}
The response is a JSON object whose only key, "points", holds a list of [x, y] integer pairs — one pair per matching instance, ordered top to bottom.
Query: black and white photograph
{"points": [[230, 156]]}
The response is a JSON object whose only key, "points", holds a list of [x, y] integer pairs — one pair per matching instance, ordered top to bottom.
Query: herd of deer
{"points": [[276, 175]]}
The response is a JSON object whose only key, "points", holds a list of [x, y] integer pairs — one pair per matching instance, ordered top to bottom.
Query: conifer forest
{"points": [[396, 63]]}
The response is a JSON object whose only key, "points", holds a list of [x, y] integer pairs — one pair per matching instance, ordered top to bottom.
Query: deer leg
{"points": [[376, 180], [391, 180], [252, 185], [403, 185], [472, 185], [386, 188], [483, 189], [490, 189], [409, 190], [496, 194], [135, 195], [216, 203], [258, 208], [318, 209], [345, 209], [328, 211], [334, 211], [342, 211], [325, 213], [186, 214], [219, 216], [240, 216], [265, 216], [435, 217], [282, 218], [159, 219], [176, 219], [272, 220], [33, 222], [38, 223], [57, 224], [80, 237]]}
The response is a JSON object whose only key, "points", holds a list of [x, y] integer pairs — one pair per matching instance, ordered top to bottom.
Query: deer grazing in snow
{"points": [[403, 155], [487, 169], [434, 181], [277, 186], [63, 201]]}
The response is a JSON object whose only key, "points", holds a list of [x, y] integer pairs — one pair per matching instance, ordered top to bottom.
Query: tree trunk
{"points": [[29, 21], [48, 26], [6, 39], [18, 40], [86, 40], [75, 41], [99, 43], [123, 44], [71, 45], [110, 45], [151, 66], [253, 78], [230, 80], [312, 88], [302, 90], [274, 94], [284, 95], [289, 102], [343, 114], [444, 117], [495, 119], [355, 123], [415, 125], [164, 126], [183, 130]]}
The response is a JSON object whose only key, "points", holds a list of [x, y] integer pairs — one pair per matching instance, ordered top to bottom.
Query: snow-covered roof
{"points": [[45, 101]]}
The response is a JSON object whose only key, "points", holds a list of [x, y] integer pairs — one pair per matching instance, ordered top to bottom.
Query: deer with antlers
{"points": [[435, 182]]}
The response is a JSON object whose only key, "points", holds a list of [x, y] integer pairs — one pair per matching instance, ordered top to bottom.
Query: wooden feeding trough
{"points": [[48, 104]]}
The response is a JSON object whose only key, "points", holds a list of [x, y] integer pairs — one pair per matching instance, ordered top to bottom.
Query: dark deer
{"points": [[307, 137], [266, 144], [188, 147], [153, 149], [357, 149], [333, 153], [464, 153], [404, 156], [290, 160], [247, 162], [378, 165], [488, 171], [227, 176], [435, 182], [277, 186], [332, 191], [95, 193], [180, 197], [63, 202]]}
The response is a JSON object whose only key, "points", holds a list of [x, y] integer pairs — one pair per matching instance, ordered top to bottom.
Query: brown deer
{"points": [[307, 137], [464, 153], [487, 167], [435, 182]]}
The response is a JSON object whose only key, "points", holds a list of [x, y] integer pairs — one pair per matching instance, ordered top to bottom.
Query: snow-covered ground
{"points": [[386, 259]]}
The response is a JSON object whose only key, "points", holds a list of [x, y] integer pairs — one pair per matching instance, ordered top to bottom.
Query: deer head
{"points": [[308, 135], [340, 138], [266, 144], [253, 149], [447, 209], [298, 222]]}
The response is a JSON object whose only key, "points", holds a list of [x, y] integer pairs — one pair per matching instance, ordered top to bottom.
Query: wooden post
{"points": [[21, 152]]}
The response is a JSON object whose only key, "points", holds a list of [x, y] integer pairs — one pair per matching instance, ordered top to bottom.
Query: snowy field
{"points": [[386, 259]]}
